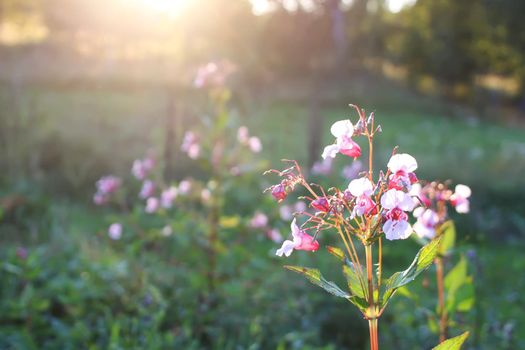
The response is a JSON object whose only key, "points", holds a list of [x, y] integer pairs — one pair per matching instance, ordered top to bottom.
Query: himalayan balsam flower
{"points": [[343, 131], [243, 135], [255, 144], [190, 145], [142, 167], [323, 167], [402, 167], [351, 171], [108, 184], [184, 187], [362, 189], [147, 190], [279, 192], [168, 196], [419, 196], [459, 199], [321, 204], [152, 205], [286, 211], [427, 219], [259, 220], [396, 225], [115, 231], [274, 235], [301, 241]]}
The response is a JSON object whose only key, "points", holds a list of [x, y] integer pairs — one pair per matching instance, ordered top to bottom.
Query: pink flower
{"points": [[213, 74], [343, 131], [243, 135], [255, 144], [190, 145], [141, 167], [323, 167], [402, 167], [352, 171], [108, 184], [184, 187], [362, 189], [147, 190], [279, 192], [418, 195], [168, 196], [100, 198], [459, 198], [321, 204], [152, 205], [286, 212], [427, 219], [259, 220], [396, 225], [115, 231], [274, 235], [301, 241]]}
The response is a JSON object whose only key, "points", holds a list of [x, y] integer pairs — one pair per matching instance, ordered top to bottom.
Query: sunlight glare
{"points": [[170, 8]]}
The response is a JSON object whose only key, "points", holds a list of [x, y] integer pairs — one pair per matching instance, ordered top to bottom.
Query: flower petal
{"points": [[342, 128], [330, 151], [402, 162], [361, 186], [463, 191], [389, 199], [397, 229], [286, 249]]}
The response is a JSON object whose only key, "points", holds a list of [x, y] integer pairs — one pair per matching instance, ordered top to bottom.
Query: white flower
{"points": [[343, 131], [402, 162], [361, 186], [460, 198], [427, 219], [396, 225], [115, 231], [301, 241]]}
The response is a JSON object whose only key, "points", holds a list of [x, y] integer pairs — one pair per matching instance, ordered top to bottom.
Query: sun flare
{"points": [[171, 8]]}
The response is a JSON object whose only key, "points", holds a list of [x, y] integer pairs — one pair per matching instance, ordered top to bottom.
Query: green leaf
{"points": [[448, 233], [422, 261], [351, 273], [315, 277], [352, 278], [459, 288], [453, 343]]}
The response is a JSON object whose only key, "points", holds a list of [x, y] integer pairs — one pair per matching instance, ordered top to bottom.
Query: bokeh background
{"points": [[87, 86]]}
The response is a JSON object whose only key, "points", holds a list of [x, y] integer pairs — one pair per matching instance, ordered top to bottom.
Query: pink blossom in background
{"points": [[213, 74], [343, 131], [243, 135], [255, 144], [190, 145], [141, 167], [323, 167], [402, 167], [352, 171], [108, 184], [184, 187], [147, 190], [205, 195], [168, 196], [100, 198], [459, 198], [152, 205], [286, 212], [427, 219], [259, 220], [396, 225], [115, 231], [274, 235], [301, 241]]}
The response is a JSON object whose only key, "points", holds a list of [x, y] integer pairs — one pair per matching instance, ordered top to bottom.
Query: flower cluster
{"points": [[106, 186], [368, 208], [432, 210]]}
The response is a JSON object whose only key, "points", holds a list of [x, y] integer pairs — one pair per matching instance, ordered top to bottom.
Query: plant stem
{"points": [[370, 275], [442, 312], [373, 327]]}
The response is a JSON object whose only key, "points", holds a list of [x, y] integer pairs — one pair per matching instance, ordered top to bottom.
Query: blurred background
{"points": [[88, 86]]}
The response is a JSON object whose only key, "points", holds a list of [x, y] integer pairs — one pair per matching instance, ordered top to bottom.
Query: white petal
{"points": [[342, 128], [330, 151], [403, 161], [360, 186], [463, 191], [389, 199], [405, 202], [463, 207], [418, 212], [295, 229], [397, 229], [424, 231], [286, 248]]}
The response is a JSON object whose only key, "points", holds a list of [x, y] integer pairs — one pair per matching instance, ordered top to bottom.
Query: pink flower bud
{"points": [[279, 192], [321, 204]]}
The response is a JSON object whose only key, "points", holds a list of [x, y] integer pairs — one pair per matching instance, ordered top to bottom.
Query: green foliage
{"points": [[448, 233], [422, 261], [315, 277], [459, 288], [453, 343]]}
